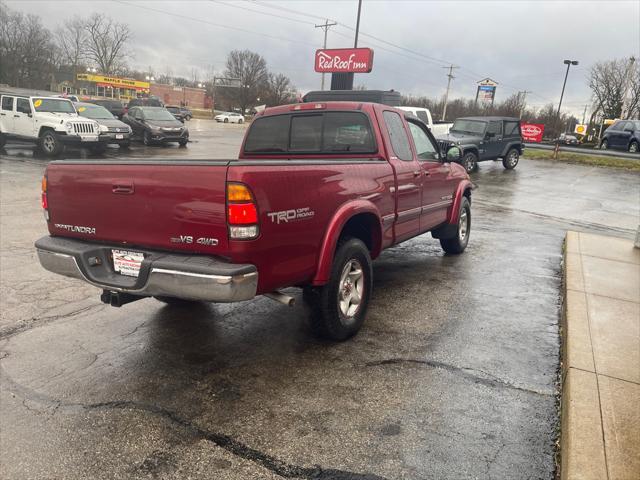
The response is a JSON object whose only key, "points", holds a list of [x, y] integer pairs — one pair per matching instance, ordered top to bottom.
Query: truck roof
{"points": [[494, 118]]}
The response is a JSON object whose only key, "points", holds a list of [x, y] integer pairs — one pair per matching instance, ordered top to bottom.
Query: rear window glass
{"points": [[422, 115], [329, 132]]}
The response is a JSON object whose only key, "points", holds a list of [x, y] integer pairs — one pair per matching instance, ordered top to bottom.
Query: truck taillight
{"points": [[45, 202], [242, 213]]}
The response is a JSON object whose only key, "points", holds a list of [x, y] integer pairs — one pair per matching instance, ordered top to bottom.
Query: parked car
{"points": [[114, 106], [176, 112], [186, 113], [424, 114], [229, 117], [51, 122], [156, 125], [112, 130], [622, 135], [485, 138], [567, 139], [319, 190]]}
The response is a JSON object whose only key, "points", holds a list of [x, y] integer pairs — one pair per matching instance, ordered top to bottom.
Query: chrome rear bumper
{"points": [[192, 277]]}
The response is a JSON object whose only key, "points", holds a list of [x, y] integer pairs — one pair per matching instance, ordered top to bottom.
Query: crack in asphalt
{"points": [[466, 372], [235, 447]]}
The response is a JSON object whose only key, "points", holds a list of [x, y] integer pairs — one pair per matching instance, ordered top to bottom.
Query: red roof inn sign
{"points": [[343, 60]]}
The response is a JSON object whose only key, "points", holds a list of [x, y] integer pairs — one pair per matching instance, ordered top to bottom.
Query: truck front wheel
{"points": [[49, 143], [510, 160], [470, 162], [458, 243], [338, 308]]}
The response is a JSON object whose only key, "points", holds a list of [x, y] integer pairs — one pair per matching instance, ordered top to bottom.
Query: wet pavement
{"points": [[454, 374]]}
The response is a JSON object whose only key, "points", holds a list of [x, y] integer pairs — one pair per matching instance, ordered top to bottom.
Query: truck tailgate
{"points": [[173, 205]]}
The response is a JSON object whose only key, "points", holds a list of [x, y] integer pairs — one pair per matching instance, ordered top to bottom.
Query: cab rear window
{"points": [[316, 133]]}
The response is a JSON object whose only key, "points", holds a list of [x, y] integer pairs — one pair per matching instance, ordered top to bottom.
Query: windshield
{"points": [[53, 105], [173, 109], [95, 112], [157, 114], [469, 126]]}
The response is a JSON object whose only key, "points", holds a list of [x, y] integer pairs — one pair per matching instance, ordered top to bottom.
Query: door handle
{"points": [[3, 114], [17, 116], [417, 173], [427, 173], [123, 189]]}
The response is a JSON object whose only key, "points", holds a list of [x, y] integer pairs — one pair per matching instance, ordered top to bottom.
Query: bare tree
{"points": [[107, 43], [72, 44], [26, 52], [251, 69], [608, 82], [278, 90]]}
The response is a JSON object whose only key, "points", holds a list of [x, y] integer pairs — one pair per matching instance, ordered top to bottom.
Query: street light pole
{"points": [[568, 63]]}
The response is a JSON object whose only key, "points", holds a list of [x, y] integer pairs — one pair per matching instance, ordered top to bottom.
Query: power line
{"points": [[325, 26]]}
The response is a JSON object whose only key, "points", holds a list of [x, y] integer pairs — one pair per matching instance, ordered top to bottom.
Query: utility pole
{"points": [[325, 26], [355, 44], [625, 91], [446, 95], [523, 102], [584, 114]]}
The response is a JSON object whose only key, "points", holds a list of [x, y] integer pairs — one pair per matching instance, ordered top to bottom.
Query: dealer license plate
{"points": [[119, 136], [92, 138], [126, 262]]}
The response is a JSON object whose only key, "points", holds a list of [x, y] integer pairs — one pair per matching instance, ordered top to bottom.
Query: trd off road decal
{"points": [[286, 216]]}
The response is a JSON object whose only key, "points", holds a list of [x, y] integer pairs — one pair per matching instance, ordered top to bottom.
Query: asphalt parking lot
{"points": [[454, 374]]}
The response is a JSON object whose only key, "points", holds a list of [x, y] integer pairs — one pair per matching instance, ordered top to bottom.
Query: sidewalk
{"points": [[601, 359]]}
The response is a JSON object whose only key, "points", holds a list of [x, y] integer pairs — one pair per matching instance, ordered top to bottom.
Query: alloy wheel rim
{"points": [[48, 143], [633, 148], [513, 158], [469, 163], [463, 225], [351, 289]]}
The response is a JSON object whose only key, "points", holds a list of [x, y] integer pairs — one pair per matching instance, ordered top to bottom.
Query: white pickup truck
{"points": [[425, 115], [51, 122]]}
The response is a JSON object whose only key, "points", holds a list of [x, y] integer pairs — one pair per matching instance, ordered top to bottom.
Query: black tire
{"points": [[187, 118], [226, 120], [240, 121], [146, 138], [3, 140], [49, 143], [183, 143], [604, 145], [125, 146], [634, 147], [511, 159], [470, 162], [456, 244], [175, 301], [328, 318]]}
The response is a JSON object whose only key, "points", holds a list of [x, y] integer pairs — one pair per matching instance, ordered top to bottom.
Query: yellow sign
{"points": [[113, 81], [37, 103], [82, 109], [609, 121], [581, 129]]}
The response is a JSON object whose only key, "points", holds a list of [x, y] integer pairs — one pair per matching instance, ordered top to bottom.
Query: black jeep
{"points": [[485, 138]]}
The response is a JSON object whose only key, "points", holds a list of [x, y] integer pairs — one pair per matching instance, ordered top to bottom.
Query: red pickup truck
{"points": [[318, 191]]}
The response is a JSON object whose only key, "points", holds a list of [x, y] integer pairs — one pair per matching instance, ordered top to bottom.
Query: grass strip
{"points": [[584, 159]]}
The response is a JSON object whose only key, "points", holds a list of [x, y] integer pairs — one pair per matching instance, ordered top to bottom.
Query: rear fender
{"points": [[454, 209], [332, 234]]}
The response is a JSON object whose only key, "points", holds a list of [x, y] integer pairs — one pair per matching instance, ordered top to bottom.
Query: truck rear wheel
{"points": [[49, 143], [510, 160], [458, 243], [338, 308]]}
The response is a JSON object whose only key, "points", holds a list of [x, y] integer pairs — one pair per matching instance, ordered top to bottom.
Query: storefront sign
{"points": [[343, 60], [113, 81], [532, 132]]}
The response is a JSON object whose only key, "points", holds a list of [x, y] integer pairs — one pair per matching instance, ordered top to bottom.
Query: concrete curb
{"points": [[600, 408]]}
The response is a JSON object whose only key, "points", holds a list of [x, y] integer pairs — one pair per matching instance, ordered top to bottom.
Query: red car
{"points": [[318, 191]]}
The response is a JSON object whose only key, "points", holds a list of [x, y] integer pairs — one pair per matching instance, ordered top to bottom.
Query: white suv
{"points": [[51, 122]]}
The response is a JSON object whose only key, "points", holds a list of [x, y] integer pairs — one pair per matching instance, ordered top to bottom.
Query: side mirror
{"points": [[454, 154]]}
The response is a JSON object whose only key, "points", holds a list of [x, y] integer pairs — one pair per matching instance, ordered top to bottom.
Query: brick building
{"points": [[174, 95]]}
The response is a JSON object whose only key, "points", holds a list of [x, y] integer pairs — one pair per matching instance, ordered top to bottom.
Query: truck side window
{"points": [[7, 103], [23, 106], [422, 115], [495, 128], [511, 129], [398, 135], [424, 148]]}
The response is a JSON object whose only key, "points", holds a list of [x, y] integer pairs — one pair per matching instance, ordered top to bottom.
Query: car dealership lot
{"points": [[454, 374]]}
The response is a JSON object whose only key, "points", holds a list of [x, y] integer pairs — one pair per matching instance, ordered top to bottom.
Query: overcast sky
{"points": [[519, 43]]}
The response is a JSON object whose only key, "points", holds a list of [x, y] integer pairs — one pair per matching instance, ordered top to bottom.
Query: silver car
{"points": [[112, 130]]}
